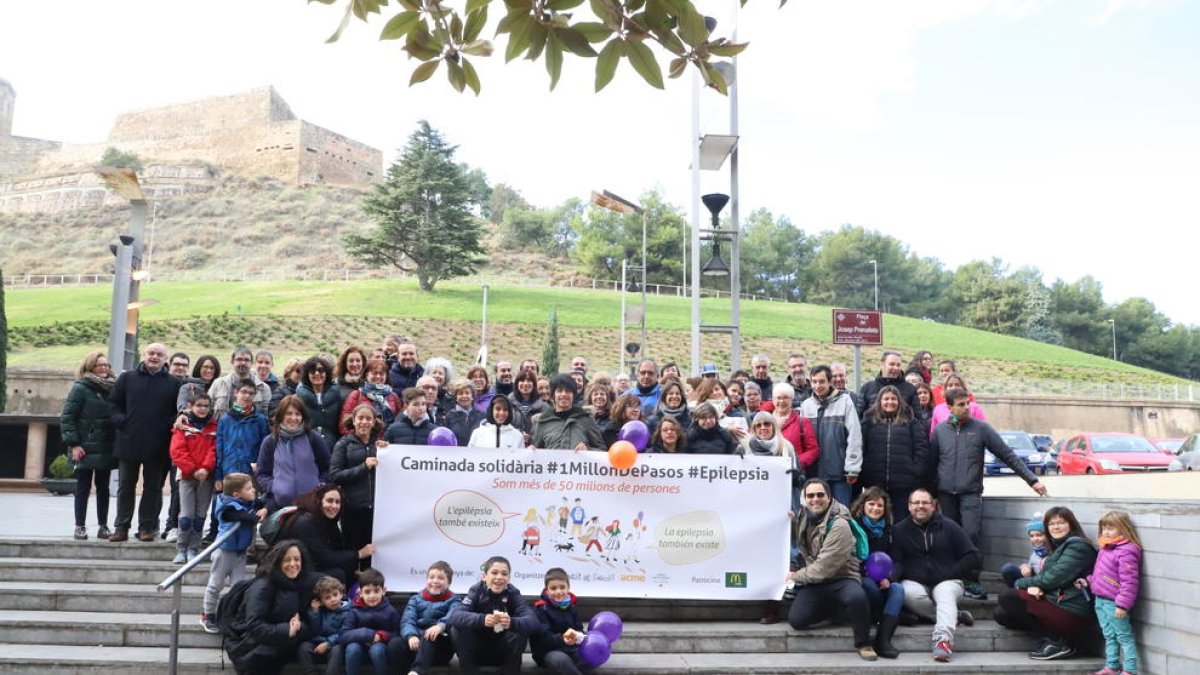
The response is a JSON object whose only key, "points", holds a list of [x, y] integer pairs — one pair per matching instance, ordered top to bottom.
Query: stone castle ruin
{"points": [[252, 134]]}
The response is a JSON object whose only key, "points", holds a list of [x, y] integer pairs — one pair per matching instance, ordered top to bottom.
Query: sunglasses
{"points": [[814, 495]]}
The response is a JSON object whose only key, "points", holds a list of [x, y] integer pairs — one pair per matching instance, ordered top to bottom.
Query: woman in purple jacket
{"points": [[293, 459]]}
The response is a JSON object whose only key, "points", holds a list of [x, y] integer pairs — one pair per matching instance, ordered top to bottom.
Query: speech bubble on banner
{"points": [[470, 518], [691, 537]]}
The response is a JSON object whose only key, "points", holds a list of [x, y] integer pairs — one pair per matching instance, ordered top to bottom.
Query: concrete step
{"points": [[86, 550], [101, 571], [125, 629], [37, 659]]}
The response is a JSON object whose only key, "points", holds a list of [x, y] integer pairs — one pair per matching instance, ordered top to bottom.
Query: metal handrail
{"points": [[173, 581]]}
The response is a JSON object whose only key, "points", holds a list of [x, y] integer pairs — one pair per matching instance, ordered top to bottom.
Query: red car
{"points": [[1111, 453]]}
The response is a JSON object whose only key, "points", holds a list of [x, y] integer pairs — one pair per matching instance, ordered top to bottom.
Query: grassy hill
{"points": [[55, 326]]}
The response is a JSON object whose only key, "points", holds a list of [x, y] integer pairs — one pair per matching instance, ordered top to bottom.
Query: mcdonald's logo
{"points": [[735, 580]]}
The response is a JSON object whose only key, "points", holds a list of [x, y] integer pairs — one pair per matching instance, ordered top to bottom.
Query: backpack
{"points": [[275, 523], [862, 547], [229, 606]]}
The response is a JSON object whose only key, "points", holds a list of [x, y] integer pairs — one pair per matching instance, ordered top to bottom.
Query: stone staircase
{"points": [[71, 607]]}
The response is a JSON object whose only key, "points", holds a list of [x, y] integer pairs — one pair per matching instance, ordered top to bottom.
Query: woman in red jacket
{"points": [[795, 428]]}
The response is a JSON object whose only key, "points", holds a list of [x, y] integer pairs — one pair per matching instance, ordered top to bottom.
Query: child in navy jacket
{"points": [[326, 618], [372, 623], [493, 623], [424, 625], [554, 644]]}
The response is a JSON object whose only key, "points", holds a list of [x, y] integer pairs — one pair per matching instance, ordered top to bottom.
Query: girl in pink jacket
{"points": [[1114, 583]]}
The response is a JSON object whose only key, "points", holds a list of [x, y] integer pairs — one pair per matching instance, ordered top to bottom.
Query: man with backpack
{"points": [[932, 555], [828, 582]]}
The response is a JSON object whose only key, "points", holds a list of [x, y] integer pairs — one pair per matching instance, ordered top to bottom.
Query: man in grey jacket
{"points": [[839, 435]]}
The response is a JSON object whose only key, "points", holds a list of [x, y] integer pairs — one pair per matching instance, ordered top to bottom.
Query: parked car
{"points": [[1042, 442], [1022, 444], [1169, 446], [1111, 453], [1187, 457]]}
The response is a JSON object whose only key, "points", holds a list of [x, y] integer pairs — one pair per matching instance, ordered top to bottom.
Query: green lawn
{"points": [[523, 305]]}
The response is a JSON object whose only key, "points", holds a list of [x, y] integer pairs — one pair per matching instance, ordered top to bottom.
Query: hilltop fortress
{"points": [[253, 134]]}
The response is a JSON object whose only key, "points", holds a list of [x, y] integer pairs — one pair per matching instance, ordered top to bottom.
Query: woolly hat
{"points": [[1035, 526]]}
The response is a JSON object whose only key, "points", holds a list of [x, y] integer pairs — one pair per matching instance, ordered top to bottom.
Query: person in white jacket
{"points": [[497, 430]]}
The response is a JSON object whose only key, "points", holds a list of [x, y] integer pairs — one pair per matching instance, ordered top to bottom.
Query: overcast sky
{"points": [[1064, 135]]}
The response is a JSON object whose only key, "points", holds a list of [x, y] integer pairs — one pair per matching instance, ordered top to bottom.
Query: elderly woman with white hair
{"points": [[766, 440]]}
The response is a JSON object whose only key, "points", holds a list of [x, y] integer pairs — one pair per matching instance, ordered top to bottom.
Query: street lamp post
{"points": [[612, 202], [875, 264], [1113, 322]]}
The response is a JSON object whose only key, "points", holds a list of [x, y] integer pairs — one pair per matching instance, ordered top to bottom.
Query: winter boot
{"points": [[883, 637]]}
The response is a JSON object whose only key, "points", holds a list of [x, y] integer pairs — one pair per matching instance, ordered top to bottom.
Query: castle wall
{"points": [[216, 115], [20, 156], [328, 157], [86, 189]]}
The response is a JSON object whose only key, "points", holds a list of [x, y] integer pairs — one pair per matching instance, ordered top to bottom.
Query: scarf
{"points": [[104, 383], [377, 393], [720, 404], [664, 409], [239, 411], [197, 423], [287, 435], [760, 447], [875, 527], [1115, 541], [1041, 551], [445, 595], [565, 603]]}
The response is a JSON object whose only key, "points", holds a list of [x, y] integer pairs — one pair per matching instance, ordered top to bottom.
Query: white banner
{"points": [[673, 526]]}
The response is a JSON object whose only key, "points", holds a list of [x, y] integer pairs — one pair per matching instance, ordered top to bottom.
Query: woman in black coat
{"points": [[322, 398], [87, 431], [706, 437], [895, 449], [353, 469], [316, 525], [270, 623]]}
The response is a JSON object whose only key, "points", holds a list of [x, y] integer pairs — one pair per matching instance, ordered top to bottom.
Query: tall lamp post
{"points": [[617, 204], [875, 264], [1113, 322], [123, 324]]}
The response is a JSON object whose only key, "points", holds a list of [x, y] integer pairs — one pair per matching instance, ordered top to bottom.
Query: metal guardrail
{"points": [[175, 583]]}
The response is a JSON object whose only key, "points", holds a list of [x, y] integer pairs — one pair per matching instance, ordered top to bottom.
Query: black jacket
{"points": [[401, 379], [870, 391], [143, 412], [325, 416], [87, 423], [463, 423], [403, 432], [715, 441], [894, 455], [348, 469], [325, 545], [932, 553], [479, 601], [553, 621], [261, 629]]}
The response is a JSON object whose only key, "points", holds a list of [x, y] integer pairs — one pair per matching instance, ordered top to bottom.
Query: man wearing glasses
{"points": [[647, 388], [224, 389], [932, 556], [829, 581]]}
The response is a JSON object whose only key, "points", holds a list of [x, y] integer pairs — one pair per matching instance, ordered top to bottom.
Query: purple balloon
{"points": [[636, 432], [442, 436], [879, 566], [607, 624], [594, 649]]}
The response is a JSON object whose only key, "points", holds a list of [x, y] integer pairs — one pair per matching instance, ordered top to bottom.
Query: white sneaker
{"points": [[172, 535]]}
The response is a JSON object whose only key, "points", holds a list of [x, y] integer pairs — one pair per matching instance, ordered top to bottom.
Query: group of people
{"points": [[308, 438]]}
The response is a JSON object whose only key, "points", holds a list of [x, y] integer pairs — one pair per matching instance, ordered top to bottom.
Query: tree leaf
{"points": [[409, 5], [473, 5], [523, 5], [561, 5], [634, 5], [608, 12], [656, 14], [476, 20], [506, 24], [400, 25], [341, 26], [691, 26], [456, 28], [592, 31], [518, 37], [537, 40], [670, 41], [575, 42], [420, 44], [477, 48], [728, 48], [554, 59], [643, 61], [606, 64], [677, 67], [423, 72], [455, 74], [470, 76], [714, 78]]}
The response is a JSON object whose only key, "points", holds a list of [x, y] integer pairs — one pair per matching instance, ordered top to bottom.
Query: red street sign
{"points": [[857, 327]]}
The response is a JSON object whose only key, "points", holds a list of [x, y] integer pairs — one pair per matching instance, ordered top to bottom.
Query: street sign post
{"points": [[857, 327]]}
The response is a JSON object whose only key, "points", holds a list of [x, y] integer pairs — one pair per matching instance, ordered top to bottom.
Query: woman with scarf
{"points": [[921, 364], [351, 369], [478, 375], [374, 392], [321, 398], [598, 399], [671, 402], [526, 403], [626, 408], [463, 418], [794, 426], [497, 430], [87, 431], [669, 436], [706, 437], [766, 440], [895, 448], [293, 459], [352, 468], [873, 511], [317, 523]]}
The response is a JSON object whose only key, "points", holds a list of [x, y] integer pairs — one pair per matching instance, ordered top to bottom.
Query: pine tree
{"points": [[425, 225], [550, 346]]}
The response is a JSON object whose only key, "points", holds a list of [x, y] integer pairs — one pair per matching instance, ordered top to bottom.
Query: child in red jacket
{"points": [[194, 452]]}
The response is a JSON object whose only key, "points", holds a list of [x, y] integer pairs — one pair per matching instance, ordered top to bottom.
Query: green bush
{"points": [[61, 468]]}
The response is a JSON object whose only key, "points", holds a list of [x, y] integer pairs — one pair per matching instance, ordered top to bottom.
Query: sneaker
{"points": [[103, 532], [81, 533], [172, 535], [192, 554], [180, 557], [974, 590], [965, 618], [210, 626], [1043, 645], [1053, 650], [942, 651], [867, 653], [1106, 671]]}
